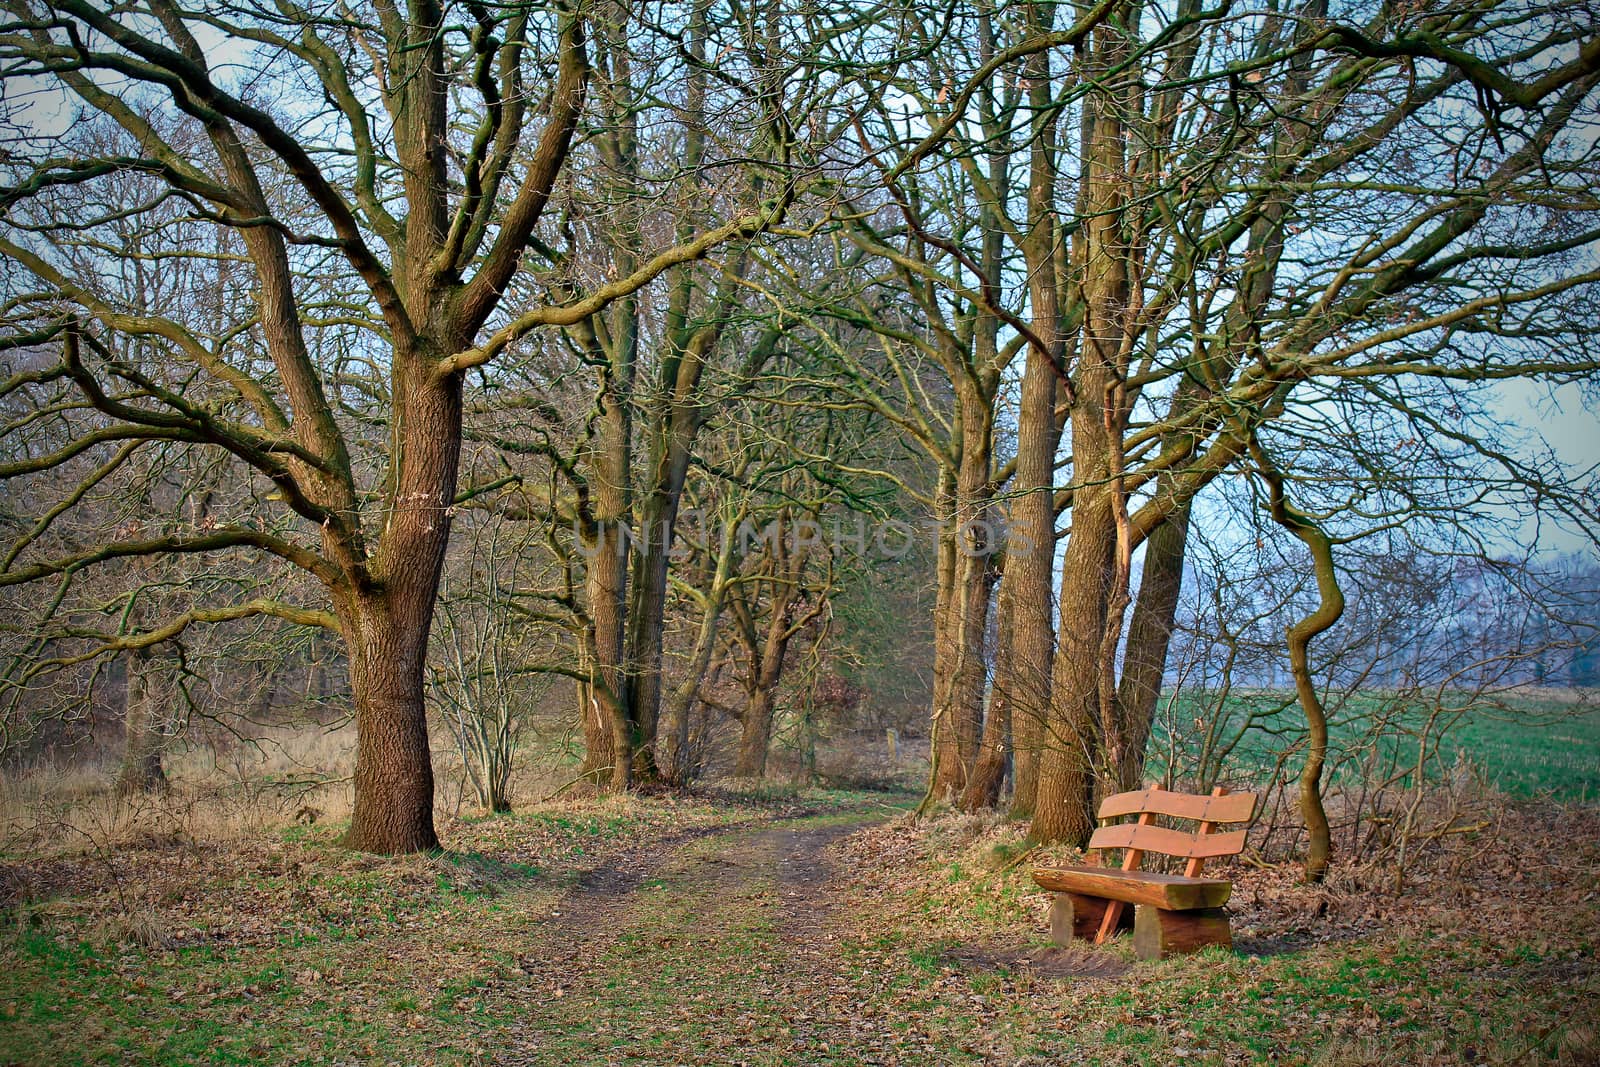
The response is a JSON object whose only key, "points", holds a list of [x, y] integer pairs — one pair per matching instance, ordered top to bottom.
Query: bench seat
{"points": [[1170, 892], [1172, 912]]}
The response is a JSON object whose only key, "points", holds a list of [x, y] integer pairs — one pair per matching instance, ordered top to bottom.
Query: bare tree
{"points": [[1248, 205], [380, 254]]}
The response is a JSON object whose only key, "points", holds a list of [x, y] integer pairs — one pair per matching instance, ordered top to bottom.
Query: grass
{"points": [[1522, 745], [1539, 748], [270, 944], [285, 948], [714, 952], [1510, 978]]}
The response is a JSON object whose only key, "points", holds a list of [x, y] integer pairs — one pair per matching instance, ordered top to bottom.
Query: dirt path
{"points": [[711, 946]]}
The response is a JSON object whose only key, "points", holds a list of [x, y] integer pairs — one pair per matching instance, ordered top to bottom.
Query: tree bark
{"points": [[611, 338], [674, 425], [975, 547], [1031, 548], [788, 567], [647, 605], [1330, 607], [962, 621], [1144, 661], [147, 705], [607, 731], [756, 737], [672, 742], [988, 773], [947, 775], [1064, 805], [393, 809]]}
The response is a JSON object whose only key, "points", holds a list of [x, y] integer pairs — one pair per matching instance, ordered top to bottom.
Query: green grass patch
{"points": [[1523, 746]]}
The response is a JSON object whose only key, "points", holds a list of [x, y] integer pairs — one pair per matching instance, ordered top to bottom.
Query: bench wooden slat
{"points": [[1231, 807], [1168, 842], [1131, 859], [1192, 868], [1170, 891]]}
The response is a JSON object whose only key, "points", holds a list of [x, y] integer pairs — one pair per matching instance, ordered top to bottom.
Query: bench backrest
{"points": [[1137, 838], [1204, 843]]}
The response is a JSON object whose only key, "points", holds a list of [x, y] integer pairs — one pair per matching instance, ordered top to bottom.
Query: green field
{"points": [[1523, 746]]}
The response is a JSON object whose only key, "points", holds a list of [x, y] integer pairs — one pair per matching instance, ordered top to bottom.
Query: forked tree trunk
{"points": [[676, 416], [672, 434], [647, 604], [148, 704], [756, 738], [672, 741], [989, 771], [1063, 811]]}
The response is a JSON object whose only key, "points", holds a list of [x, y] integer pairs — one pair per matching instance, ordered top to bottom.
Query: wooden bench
{"points": [[1175, 913]]}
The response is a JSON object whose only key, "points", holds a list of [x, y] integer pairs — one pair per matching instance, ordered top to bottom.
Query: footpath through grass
{"points": [[817, 928], [285, 948]]}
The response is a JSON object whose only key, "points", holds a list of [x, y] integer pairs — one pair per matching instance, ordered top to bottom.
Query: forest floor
{"points": [[775, 928]]}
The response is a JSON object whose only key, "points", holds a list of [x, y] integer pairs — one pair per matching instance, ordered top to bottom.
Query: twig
{"points": [[566, 786], [1024, 854]]}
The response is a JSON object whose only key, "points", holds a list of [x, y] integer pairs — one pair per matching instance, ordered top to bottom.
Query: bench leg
{"points": [[1073, 915], [1158, 933]]}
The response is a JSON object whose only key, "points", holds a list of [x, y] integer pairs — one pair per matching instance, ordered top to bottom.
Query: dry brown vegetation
{"points": [[772, 927]]}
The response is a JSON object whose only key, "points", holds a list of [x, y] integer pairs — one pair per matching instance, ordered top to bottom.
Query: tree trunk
{"points": [[611, 340], [677, 416], [672, 442], [964, 513], [1031, 546], [975, 547], [647, 605], [1330, 608], [387, 618], [1144, 662], [603, 697], [147, 707], [607, 731], [756, 737], [672, 742], [394, 770], [947, 774], [988, 774], [1064, 811]]}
